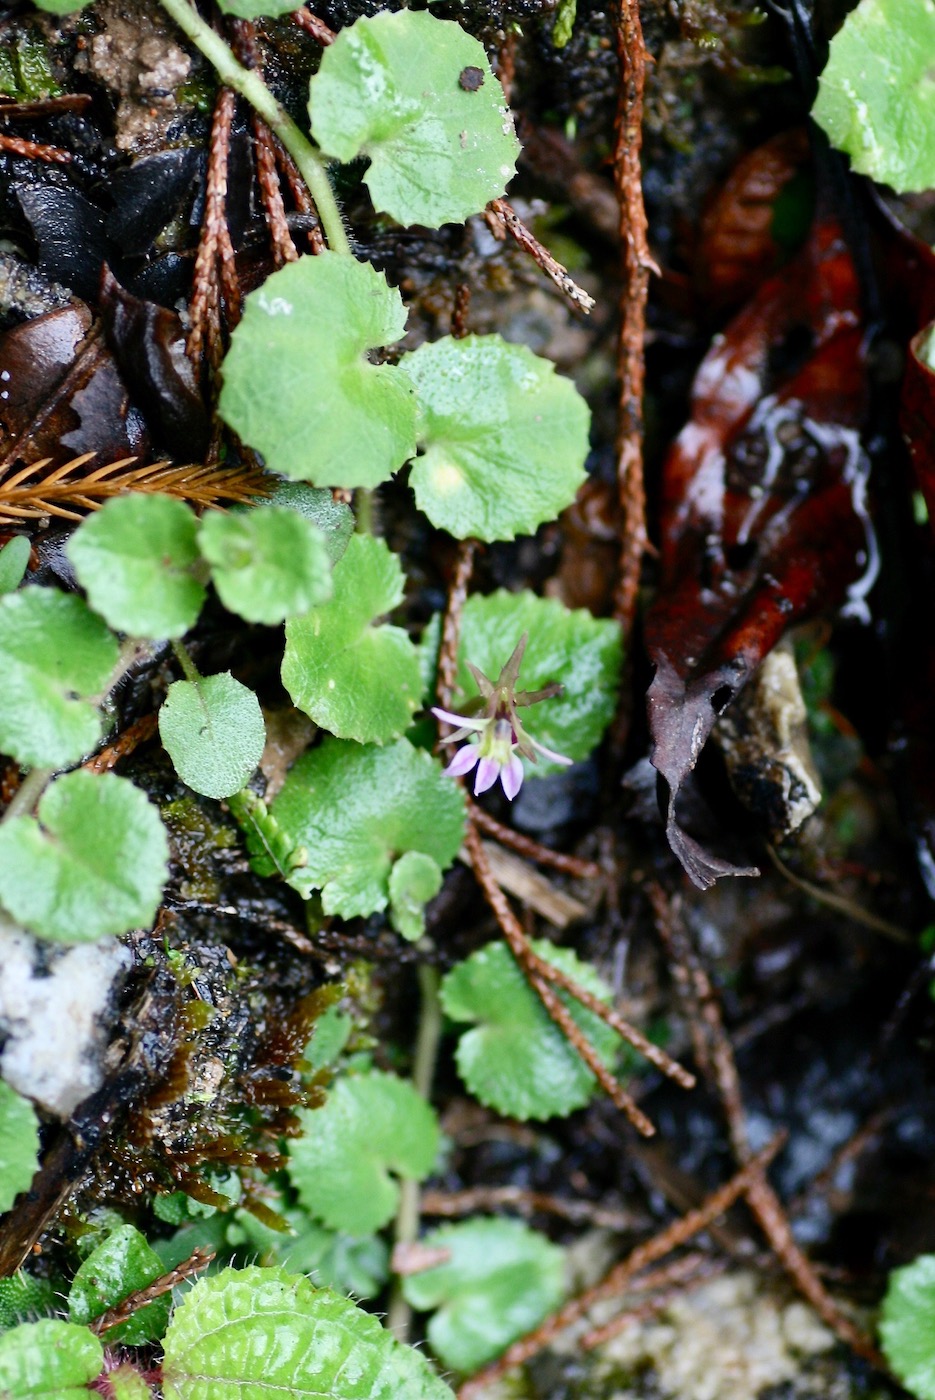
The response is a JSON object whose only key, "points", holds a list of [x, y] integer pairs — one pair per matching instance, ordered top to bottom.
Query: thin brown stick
{"points": [[314, 26], [34, 150], [271, 194], [300, 196], [540, 255], [637, 265], [204, 308], [459, 312], [451, 627], [126, 743], [575, 866], [839, 902], [519, 946], [489, 1198], [762, 1199], [198, 1260], [620, 1276], [668, 1282]]}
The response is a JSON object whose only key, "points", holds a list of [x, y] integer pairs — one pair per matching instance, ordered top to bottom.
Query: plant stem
{"points": [[252, 87], [363, 500], [187, 664], [28, 793], [406, 1231]]}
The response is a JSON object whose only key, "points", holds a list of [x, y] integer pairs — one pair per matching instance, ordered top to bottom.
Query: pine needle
{"points": [[69, 490]]}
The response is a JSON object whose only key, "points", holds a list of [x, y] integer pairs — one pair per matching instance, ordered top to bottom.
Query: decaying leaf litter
{"points": [[749, 520]]}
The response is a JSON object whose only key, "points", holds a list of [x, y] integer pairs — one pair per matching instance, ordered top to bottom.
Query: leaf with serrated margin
{"points": [[267, 563]]}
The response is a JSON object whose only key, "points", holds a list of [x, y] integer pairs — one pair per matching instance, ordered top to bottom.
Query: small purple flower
{"points": [[496, 736]]}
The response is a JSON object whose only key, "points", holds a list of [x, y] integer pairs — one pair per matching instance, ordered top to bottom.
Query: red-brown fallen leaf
{"points": [[737, 248], [762, 516]]}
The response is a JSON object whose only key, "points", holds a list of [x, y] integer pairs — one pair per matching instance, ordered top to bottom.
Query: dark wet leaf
{"points": [[149, 194], [70, 234], [149, 347], [34, 358], [110, 426], [763, 520]]}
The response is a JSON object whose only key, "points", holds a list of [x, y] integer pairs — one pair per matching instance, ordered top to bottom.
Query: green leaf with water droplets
{"points": [[416, 95], [299, 385], [503, 437], [213, 732], [122, 1263], [907, 1325], [49, 1360]]}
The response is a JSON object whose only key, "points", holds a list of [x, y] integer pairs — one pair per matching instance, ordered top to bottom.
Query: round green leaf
{"points": [[392, 87], [876, 96], [299, 386], [504, 437], [334, 519], [14, 556], [136, 559], [267, 564], [52, 650], [580, 652], [355, 680], [213, 732], [358, 808], [93, 864], [414, 880], [516, 1060], [370, 1126], [19, 1145], [121, 1263], [501, 1281], [907, 1326], [265, 1334], [49, 1360]]}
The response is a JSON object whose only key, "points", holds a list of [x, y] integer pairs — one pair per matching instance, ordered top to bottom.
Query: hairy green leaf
{"points": [[417, 96], [876, 96], [298, 384], [504, 437], [334, 519], [14, 556], [137, 558], [267, 564], [53, 650], [580, 652], [357, 680], [214, 733], [356, 809], [93, 864], [414, 880], [515, 1059], [371, 1125], [19, 1145], [329, 1258], [121, 1263], [501, 1280], [22, 1297], [907, 1325], [265, 1334], [48, 1360], [126, 1383]]}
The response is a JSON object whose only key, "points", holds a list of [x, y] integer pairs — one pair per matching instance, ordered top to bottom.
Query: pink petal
{"points": [[462, 721], [549, 753], [463, 761], [488, 770], [512, 776]]}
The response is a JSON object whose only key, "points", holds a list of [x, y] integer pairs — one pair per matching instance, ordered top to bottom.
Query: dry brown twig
{"points": [[508, 218], [215, 256], [451, 627], [575, 866], [484, 1199], [197, 1261], [665, 1283]]}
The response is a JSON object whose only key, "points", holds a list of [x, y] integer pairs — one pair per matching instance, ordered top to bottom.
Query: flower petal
{"points": [[462, 721], [549, 753], [463, 761], [488, 770], [512, 776]]}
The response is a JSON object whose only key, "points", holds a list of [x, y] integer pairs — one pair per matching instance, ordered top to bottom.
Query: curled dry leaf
{"points": [[763, 521]]}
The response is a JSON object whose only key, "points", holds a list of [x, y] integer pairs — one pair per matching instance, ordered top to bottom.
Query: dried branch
{"points": [[315, 27], [34, 150], [527, 240], [215, 251], [68, 491], [451, 627], [574, 866], [485, 1199], [198, 1260], [666, 1283]]}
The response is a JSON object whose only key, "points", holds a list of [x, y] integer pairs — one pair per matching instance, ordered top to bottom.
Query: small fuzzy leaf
{"points": [[394, 87], [876, 97], [298, 384], [504, 437], [334, 519], [14, 556], [136, 558], [267, 564], [52, 651], [580, 652], [354, 679], [214, 733], [356, 809], [93, 864], [414, 880], [516, 1060], [372, 1129], [19, 1145], [328, 1258], [121, 1263], [501, 1280], [22, 1297], [907, 1326], [265, 1334], [49, 1360], [126, 1383]]}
